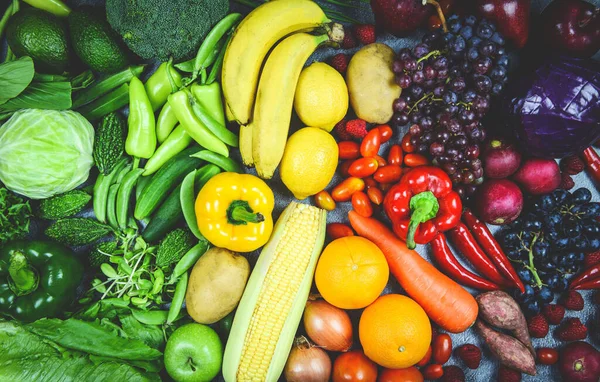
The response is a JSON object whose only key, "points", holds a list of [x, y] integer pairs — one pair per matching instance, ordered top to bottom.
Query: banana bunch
{"points": [[262, 102]]}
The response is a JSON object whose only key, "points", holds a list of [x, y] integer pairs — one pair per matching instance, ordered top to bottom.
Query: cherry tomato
{"points": [[386, 132], [370, 144], [407, 147], [348, 150], [395, 155], [415, 160], [380, 161], [344, 167], [363, 167], [388, 174], [370, 182], [384, 187], [343, 191], [375, 195], [324, 200], [362, 204], [337, 230], [442, 348], [547, 356], [426, 358], [354, 366], [433, 372], [410, 374]]}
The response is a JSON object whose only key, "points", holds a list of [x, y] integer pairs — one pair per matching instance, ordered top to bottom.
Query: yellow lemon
{"points": [[321, 98], [309, 161]]}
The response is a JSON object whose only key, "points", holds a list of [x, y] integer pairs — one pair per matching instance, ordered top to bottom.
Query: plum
{"points": [[500, 159], [538, 176], [499, 201], [579, 362]]}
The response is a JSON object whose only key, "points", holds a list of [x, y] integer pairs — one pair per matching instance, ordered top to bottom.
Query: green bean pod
{"points": [[212, 39], [216, 69], [158, 86], [99, 88], [165, 123], [141, 138], [178, 140], [225, 163], [101, 189], [124, 195], [188, 199], [111, 206], [188, 260], [178, 298], [150, 317]]}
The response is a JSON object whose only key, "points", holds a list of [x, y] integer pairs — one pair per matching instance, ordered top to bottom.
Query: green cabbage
{"points": [[45, 152]]}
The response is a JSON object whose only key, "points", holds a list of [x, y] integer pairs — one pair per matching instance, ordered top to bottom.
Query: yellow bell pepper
{"points": [[234, 211]]}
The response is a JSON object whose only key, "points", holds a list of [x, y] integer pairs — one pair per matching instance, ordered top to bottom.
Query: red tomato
{"points": [[386, 132], [370, 144], [407, 147], [348, 150], [395, 155], [415, 160], [380, 161], [344, 167], [363, 167], [388, 174], [370, 182], [343, 191], [375, 195], [362, 204], [337, 230], [442, 348], [547, 356], [426, 358], [354, 366], [433, 372], [410, 374]]}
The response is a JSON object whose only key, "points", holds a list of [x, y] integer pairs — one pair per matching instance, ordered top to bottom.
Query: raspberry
{"points": [[365, 33], [349, 41], [340, 62], [357, 128], [340, 131], [572, 165], [566, 182], [591, 259], [573, 301], [554, 313], [538, 326], [571, 330], [470, 355], [453, 374], [508, 375]]}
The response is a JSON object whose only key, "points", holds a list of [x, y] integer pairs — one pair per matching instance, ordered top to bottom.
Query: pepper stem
{"points": [[423, 206], [240, 213], [23, 277]]}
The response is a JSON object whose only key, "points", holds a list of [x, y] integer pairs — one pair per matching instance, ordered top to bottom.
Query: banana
{"points": [[251, 42], [275, 98], [246, 145]]}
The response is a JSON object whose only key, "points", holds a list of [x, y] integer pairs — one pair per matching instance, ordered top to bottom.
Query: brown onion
{"points": [[328, 326], [307, 363]]}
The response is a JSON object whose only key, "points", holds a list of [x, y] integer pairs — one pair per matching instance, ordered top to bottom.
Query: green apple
{"points": [[194, 353]]}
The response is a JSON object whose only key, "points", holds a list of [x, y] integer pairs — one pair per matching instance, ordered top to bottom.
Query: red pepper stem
{"points": [[424, 206], [240, 213], [23, 277]]}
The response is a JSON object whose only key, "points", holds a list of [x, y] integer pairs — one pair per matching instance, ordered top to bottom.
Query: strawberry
{"points": [[365, 33], [349, 41], [340, 62], [357, 128], [340, 131], [572, 165], [566, 182], [591, 259], [573, 301], [554, 313], [538, 326], [571, 330], [470, 355], [453, 374], [508, 375]]}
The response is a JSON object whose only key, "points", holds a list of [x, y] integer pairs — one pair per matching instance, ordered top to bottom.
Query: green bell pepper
{"points": [[37, 279]]}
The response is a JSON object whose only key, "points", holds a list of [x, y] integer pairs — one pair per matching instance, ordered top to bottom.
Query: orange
{"points": [[351, 272], [394, 331], [410, 374]]}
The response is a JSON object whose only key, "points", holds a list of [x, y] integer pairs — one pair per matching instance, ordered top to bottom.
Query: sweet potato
{"points": [[499, 309], [510, 351]]}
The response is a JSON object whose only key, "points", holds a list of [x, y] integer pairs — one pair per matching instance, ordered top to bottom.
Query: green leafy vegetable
{"points": [[14, 77], [41, 95], [109, 144], [63, 205], [14, 216], [77, 231], [172, 248], [151, 335]]}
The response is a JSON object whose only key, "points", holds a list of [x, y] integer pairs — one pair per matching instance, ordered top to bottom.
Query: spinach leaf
{"points": [[14, 77], [41, 95], [151, 335], [92, 338]]}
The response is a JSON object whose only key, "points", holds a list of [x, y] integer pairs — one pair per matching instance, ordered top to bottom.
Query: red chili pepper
{"points": [[386, 132], [370, 143], [407, 147], [348, 150], [395, 155], [415, 160], [380, 161], [592, 161], [344, 167], [363, 167], [388, 174], [343, 191], [375, 195], [361, 204], [422, 205], [337, 230], [486, 240], [466, 244], [448, 263], [586, 276], [592, 284]]}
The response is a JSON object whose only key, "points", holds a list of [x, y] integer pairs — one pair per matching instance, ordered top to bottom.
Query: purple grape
{"points": [[398, 67], [403, 81], [399, 104]]}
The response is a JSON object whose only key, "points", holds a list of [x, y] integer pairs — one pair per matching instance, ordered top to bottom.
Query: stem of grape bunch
{"points": [[531, 266]]}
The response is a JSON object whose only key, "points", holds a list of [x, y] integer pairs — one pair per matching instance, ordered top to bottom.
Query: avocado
{"points": [[41, 36], [96, 44]]}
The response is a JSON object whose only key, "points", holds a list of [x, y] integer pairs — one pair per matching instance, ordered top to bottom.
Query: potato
{"points": [[371, 83], [216, 285]]}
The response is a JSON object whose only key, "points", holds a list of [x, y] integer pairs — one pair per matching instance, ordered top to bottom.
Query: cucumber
{"points": [[165, 180]]}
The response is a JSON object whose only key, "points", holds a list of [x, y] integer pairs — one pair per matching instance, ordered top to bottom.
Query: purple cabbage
{"points": [[555, 111]]}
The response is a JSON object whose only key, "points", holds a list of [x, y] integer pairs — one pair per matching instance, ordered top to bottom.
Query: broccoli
{"points": [[160, 29], [172, 248]]}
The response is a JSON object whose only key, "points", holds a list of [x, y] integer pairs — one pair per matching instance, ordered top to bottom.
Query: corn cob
{"points": [[272, 304]]}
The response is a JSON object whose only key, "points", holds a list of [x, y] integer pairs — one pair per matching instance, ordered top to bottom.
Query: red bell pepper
{"points": [[422, 204]]}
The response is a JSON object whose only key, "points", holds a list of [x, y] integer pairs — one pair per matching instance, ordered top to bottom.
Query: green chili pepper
{"points": [[56, 7], [213, 38], [105, 85], [158, 86], [180, 103], [106, 104], [207, 104], [165, 123], [141, 139], [178, 140], [225, 163], [101, 189], [124, 195], [111, 206], [188, 260], [178, 298], [150, 317]]}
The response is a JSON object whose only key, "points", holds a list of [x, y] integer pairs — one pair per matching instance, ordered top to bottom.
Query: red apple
{"points": [[400, 17], [511, 18]]}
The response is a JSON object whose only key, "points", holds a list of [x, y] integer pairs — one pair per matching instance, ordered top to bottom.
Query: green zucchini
{"points": [[165, 180], [63, 205]]}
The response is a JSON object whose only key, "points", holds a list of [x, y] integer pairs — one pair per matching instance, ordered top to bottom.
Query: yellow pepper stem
{"points": [[240, 213]]}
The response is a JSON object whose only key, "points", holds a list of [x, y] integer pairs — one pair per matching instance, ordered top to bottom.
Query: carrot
{"points": [[445, 302]]}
